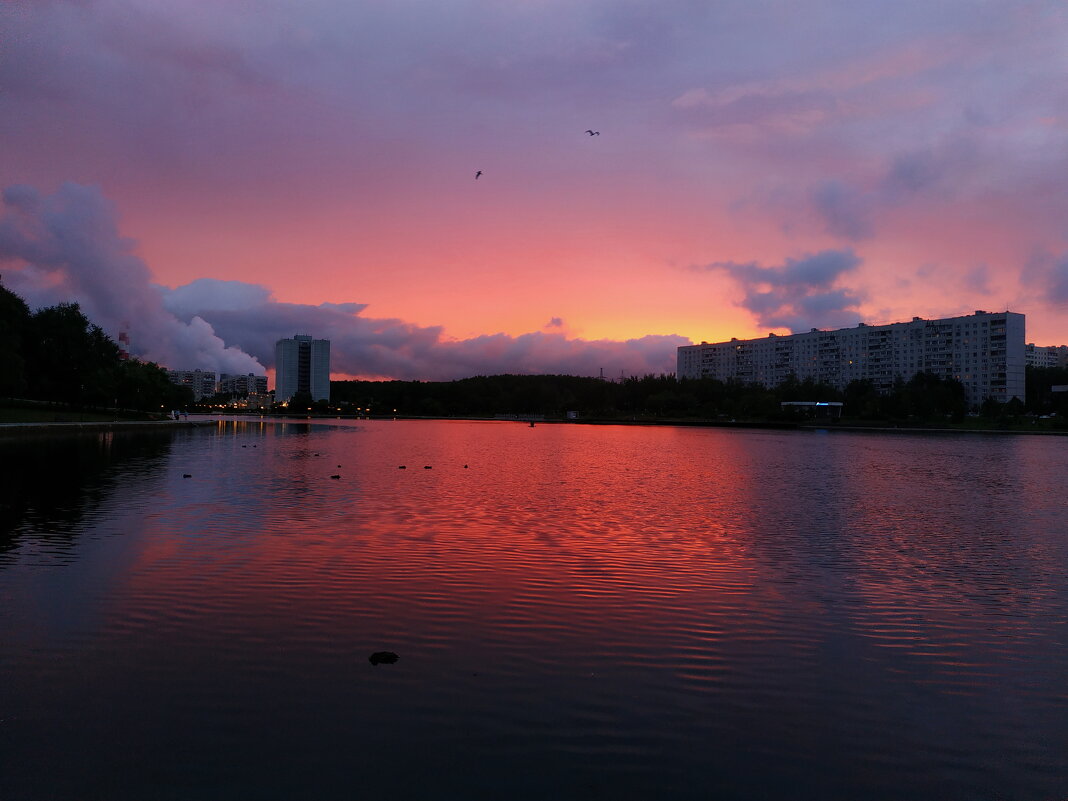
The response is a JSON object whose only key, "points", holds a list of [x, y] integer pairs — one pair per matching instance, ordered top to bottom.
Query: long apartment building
{"points": [[984, 351], [1046, 356], [202, 382], [205, 383], [237, 384]]}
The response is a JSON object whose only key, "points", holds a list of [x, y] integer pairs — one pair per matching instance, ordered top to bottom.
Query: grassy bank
{"points": [[28, 411], [42, 416]]}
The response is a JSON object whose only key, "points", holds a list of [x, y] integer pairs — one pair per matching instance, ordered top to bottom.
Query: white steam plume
{"points": [[66, 247]]}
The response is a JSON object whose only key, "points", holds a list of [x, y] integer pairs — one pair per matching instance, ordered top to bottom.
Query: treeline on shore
{"points": [[56, 354], [923, 398]]}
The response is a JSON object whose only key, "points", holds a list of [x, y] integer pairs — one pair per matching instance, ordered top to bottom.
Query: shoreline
{"points": [[100, 425], [771, 425], [810, 426], [913, 430]]}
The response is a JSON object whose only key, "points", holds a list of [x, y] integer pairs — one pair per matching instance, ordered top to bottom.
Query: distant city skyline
{"points": [[220, 178]]}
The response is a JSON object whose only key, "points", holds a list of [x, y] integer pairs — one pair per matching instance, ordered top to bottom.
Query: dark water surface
{"points": [[582, 612]]}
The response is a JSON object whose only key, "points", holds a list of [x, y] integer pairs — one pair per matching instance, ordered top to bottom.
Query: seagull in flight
{"points": [[593, 133], [478, 174]]}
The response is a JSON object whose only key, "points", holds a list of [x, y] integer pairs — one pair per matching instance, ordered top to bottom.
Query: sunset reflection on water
{"points": [[609, 611]]}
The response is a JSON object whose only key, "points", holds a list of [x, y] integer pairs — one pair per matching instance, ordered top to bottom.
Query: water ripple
{"points": [[656, 612]]}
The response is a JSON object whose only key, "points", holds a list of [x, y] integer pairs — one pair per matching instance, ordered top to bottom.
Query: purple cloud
{"points": [[809, 120], [845, 211], [67, 247], [978, 279], [1058, 281], [211, 294], [798, 294], [390, 348]]}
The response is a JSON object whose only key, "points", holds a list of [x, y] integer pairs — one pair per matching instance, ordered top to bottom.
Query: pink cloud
{"points": [[325, 150], [66, 247]]}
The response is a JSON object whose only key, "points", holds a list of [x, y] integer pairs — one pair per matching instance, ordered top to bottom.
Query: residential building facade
{"points": [[984, 351], [1047, 356], [302, 364], [202, 382], [250, 384]]}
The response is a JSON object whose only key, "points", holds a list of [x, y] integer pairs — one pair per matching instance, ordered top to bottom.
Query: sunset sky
{"points": [[221, 174]]}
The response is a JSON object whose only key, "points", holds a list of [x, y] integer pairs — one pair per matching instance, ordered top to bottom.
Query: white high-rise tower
{"points": [[302, 364]]}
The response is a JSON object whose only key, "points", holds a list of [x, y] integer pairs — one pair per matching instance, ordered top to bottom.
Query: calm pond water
{"points": [[579, 612]]}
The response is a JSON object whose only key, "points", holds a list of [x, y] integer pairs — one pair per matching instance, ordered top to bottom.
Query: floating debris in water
{"points": [[402, 467], [187, 475], [336, 475], [383, 658]]}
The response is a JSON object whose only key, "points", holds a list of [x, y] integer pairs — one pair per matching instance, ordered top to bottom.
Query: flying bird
{"points": [[593, 133], [478, 174]]}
